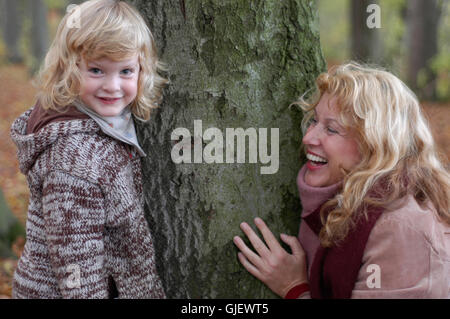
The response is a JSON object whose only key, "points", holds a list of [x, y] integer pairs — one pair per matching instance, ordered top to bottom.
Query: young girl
{"points": [[375, 196], [86, 232]]}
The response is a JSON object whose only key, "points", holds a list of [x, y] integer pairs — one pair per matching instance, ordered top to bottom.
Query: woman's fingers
{"points": [[269, 238], [257, 243], [296, 247], [247, 252], [249, 266], [275, 267]]}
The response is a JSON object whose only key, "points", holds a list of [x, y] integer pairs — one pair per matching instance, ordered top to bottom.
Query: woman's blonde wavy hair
{"points": [[94, 30], [399, 155]]}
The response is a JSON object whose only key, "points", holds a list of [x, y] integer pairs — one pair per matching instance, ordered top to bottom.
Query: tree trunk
{"points": [[2, 18], [422, 30], [12, 31], [39, 33], [366, 44], [232, 64]]}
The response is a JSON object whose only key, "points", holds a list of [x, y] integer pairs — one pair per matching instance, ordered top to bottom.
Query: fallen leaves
{"points": [[16, 96]]}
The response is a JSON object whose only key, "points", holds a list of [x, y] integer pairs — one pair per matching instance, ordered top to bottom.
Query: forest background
{"points": [[26, 32]]}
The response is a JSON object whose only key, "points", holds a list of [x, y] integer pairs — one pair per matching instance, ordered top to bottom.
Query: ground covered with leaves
{"points": [[17, 95]]}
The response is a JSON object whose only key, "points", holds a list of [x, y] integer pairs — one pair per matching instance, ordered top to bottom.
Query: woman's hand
{"points": [[273, 265]]}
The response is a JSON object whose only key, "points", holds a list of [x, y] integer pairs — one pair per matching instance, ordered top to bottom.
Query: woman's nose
{"points": [[312, 136]]}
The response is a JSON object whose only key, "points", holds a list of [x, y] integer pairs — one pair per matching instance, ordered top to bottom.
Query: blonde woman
{"points": [[375, 196], [86, 232]]}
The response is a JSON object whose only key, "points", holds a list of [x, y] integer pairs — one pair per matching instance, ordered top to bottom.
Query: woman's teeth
{"points": [[315, 158]]}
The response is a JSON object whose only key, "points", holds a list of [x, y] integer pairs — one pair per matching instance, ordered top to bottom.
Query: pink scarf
{"points": [[311, 199], [333, 271]]}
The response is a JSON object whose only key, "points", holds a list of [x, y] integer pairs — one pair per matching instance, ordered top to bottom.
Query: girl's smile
{"points": [[108, 100]]}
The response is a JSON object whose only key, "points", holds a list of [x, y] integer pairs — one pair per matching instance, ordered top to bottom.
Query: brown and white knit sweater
{"points": [[86, 228]]}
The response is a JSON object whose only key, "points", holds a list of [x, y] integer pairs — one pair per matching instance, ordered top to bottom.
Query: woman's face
{"points": [[329, 147]]}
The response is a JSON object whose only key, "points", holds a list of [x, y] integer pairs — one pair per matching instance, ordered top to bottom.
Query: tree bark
{"points": [[422, 32], [231, 64]]}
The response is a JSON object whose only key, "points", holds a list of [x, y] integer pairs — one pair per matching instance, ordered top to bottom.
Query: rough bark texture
{"points": [[231, 64]]}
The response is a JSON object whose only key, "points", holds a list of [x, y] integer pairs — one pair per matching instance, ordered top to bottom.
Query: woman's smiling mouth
{"points": [[314, 161]]}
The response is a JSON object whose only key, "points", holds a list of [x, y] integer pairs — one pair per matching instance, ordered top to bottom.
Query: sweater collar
{"points": [[41, 117], [120, 127], [30, 146], [313, 197]]}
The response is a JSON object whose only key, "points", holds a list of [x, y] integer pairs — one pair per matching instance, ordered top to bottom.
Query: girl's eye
{"points": [[95, 70], [127, 71], [312, 121]]}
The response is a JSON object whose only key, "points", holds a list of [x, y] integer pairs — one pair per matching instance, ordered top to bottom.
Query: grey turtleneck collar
{"points": [[120, 127]]}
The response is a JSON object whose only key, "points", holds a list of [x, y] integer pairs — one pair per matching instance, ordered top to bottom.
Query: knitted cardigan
{"points": [[86, 230]]}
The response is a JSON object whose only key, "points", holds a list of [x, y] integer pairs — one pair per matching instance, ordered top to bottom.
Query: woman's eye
{"points": [[312, 122], [330, 130]]}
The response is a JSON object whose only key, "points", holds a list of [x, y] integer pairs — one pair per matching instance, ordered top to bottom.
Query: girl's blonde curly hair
{"points": [[93, 30], [399, 155]]}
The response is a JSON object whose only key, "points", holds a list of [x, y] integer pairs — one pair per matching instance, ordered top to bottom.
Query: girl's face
{"points": [[107, 86], [329, 147]]}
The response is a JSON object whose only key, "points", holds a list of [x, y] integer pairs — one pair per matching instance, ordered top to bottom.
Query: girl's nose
{"points": [[111, 84]]}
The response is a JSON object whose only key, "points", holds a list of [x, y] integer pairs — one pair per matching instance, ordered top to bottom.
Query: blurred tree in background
{"points": [[12, 12], [25, 30], [40, 33], [422, 37], [365, 41], [413, 41]]}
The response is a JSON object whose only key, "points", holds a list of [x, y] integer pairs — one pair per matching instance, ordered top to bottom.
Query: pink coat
{"points": [[407, 254]]}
